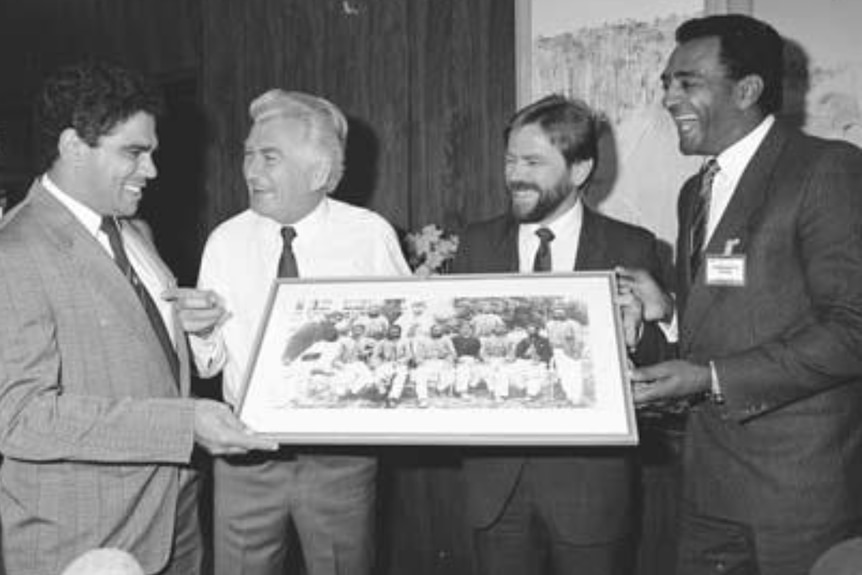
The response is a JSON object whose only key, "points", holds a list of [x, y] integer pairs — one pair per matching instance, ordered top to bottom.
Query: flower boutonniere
{"points": [[430, 250]]}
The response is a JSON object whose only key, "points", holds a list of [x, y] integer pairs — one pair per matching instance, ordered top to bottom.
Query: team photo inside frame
{"points": [[472, 360]]}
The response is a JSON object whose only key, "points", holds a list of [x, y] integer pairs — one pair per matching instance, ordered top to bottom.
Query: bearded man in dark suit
{"points": [[770, 314], [567, 510]]}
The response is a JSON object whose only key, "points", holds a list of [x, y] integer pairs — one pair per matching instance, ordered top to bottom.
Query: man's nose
{"points": [[672, 96], [148, 167]]}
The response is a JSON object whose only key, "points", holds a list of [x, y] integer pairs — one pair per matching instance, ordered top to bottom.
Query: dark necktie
{"points": [[700, 217], [110, 228], [542, 261], [287, 263]]}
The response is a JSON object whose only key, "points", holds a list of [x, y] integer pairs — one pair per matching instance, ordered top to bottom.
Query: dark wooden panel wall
{"points": [[159, 37], [427, 85]]}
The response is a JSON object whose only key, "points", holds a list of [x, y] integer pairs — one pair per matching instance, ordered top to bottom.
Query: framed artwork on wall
{"points": [[469, 360]]}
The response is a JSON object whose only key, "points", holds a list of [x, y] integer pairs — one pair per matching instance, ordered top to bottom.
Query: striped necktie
{"points": [[700, 217], [111, 229]]}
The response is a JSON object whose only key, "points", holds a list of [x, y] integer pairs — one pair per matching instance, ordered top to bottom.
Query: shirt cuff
{"points": [[670, 328], [207, 352], [715, 392]]}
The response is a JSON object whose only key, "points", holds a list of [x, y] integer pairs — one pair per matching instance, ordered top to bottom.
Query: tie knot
{"points": [[710, 168], [109, 226], [288, 233], [545, 235]]}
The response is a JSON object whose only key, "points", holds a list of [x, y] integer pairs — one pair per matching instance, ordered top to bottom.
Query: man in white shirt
{"points": [[294, 157]]}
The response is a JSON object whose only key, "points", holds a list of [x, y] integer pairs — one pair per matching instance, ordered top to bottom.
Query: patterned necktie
{"points": [[700, 217], [110, 228], [542, 261], [287, 264]]}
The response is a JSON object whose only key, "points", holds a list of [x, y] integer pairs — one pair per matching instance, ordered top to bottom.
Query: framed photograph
{"points": [[470, 359]]}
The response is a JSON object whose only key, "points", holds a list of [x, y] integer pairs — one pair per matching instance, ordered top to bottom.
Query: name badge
{"points": [[725, 270]]}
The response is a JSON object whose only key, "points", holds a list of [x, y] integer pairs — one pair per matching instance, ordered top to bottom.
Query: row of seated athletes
{"points": [[519, 361]]}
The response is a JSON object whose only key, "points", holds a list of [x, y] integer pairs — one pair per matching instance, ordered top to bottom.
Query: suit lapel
{"points": [[741, 217], [509, 243], [591, 245], [105, 278]]}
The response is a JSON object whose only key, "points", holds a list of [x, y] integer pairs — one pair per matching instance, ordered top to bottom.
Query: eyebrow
{"points": [[677, 74], [133, 147], [262, 150], [528, 156]]}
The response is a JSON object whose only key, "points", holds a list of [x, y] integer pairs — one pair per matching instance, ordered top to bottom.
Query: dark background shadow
{"points": [[797, 83], [607, 168], [361, 170], [174, 202]]}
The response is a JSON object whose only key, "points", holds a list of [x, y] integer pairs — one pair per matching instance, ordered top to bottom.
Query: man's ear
{"points": [[748, 91], [70, 146], [320, 170], [580, 172]]}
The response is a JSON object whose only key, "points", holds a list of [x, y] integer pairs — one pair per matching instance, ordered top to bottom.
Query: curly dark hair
{"points": [[92, 98]]}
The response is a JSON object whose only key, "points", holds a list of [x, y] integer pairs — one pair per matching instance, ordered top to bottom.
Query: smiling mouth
{"points": [[686, 123], [524, 195]]}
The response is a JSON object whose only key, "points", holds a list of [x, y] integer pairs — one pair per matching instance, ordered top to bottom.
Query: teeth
{"points": [[685, 116], [685, 123]]}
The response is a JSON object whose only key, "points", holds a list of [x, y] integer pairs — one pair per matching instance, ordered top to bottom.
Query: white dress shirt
{"points": [[732, 163], [564, 247], [240, 263], [152, 273]]}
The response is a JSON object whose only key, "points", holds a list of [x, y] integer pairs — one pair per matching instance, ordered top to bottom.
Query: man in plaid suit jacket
{"points": [[96, 427]]}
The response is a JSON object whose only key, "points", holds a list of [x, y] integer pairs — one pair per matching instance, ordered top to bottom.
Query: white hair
{"points": [[325, 125]]}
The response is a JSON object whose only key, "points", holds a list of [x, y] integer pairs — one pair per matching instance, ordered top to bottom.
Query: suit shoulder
{"points": [[832, 150], [343, 211], [19, 224], [232, 226], [490, 228], [624, 229]]}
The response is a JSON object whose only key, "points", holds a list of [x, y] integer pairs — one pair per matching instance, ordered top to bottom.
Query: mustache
{"points": [[521, 186]]}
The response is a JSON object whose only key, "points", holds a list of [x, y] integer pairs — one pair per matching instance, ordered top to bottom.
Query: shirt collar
{"points": [[733, 161], [88, 218], [313, 221], [308, 225], [566, 225]]}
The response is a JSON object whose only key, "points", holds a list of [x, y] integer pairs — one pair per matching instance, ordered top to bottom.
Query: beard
{"points": [[546, 201]]}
